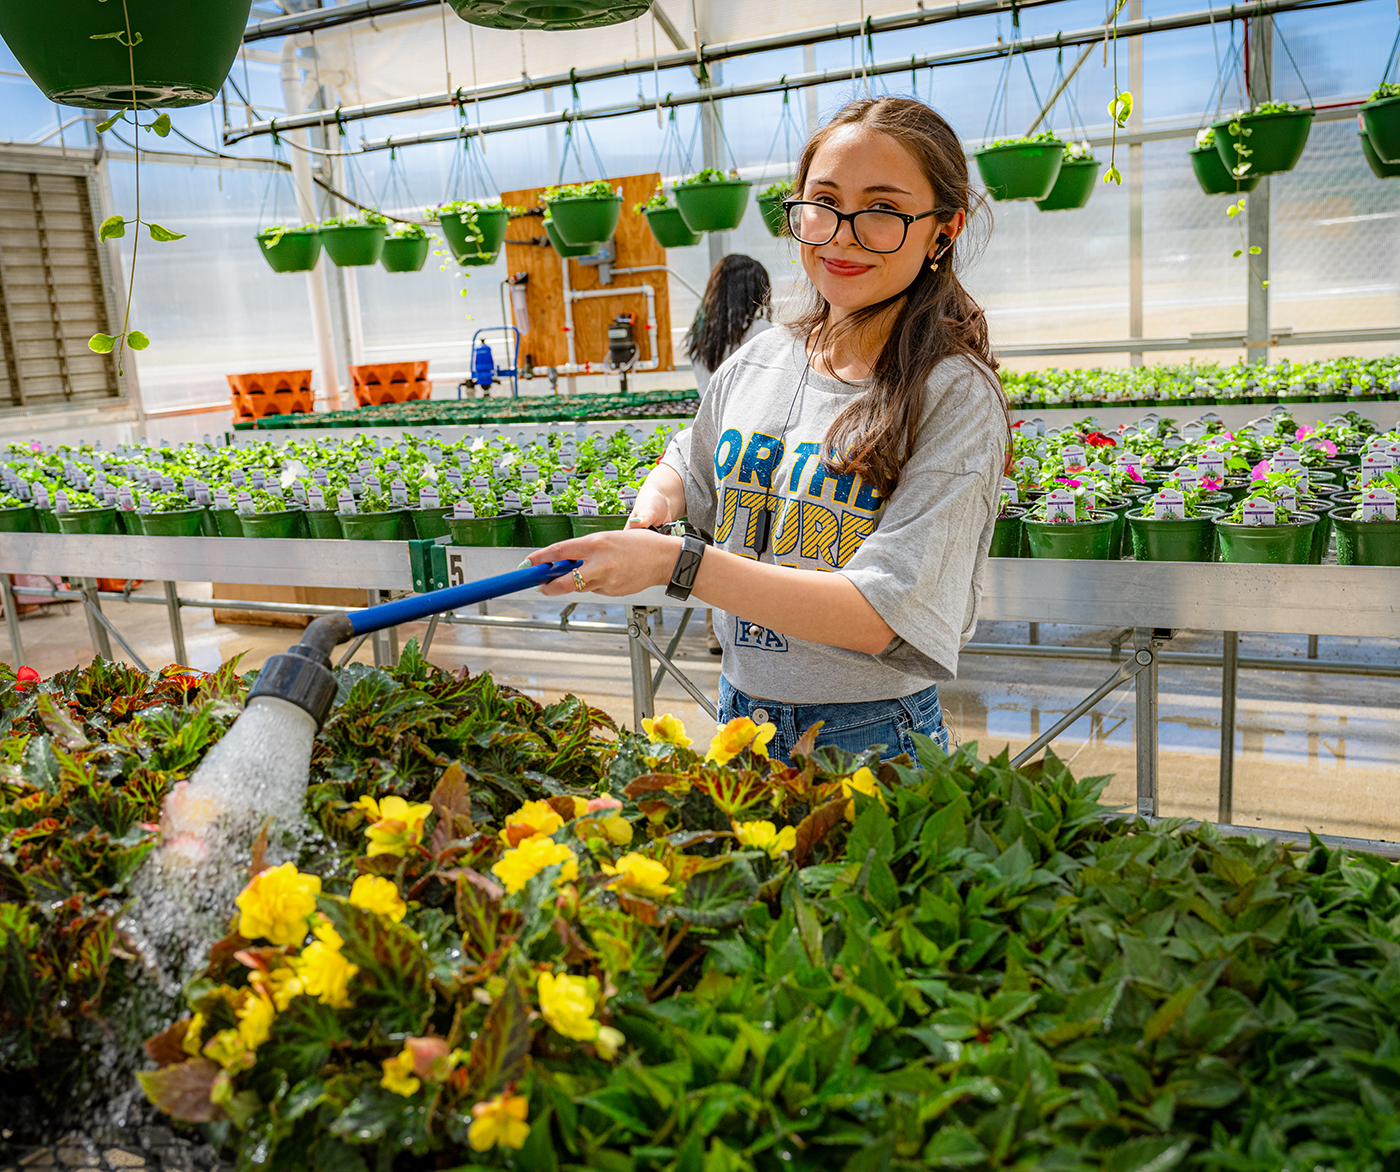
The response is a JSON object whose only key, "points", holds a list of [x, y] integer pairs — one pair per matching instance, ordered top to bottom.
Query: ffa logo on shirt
{"points": [[752, 635]]}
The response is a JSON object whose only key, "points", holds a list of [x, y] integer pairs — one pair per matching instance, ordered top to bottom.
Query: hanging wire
{"points": [[1279, 33], [1390, 61], [446, 64], [999, 103], [787, 123], [570, 140], [673, 145]]}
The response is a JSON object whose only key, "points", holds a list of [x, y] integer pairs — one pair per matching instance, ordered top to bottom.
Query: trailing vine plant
{"points": [[1120, 108], [114, 226]]}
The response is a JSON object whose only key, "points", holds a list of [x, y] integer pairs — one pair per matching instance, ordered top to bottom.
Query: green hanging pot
{"points": [[549, 15], [182, 58], [1380, 120], [1276, 140], [1379, 167], [1020, 170], [1214, 177], [1073, 186], [713, 207], [774, 214], [585, 219], [490, 223], [669, 229], [354, 245], [566, 249], [297, 251], [404, 254], [20, 519], [91, 522], [172, 523], [278, 523], [582, 526], [493, 531], [1006, 533], [1166, 539], [1077, 540], [1367, 543], [1287, 544]]}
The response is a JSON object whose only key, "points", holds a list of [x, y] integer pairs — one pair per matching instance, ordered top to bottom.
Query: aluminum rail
{"points": [[319, 18], [991, 51], [1222, 341], [1338, 667]]}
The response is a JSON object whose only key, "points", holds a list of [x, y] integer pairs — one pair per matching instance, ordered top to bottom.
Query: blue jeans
{"points": [[853, 727]]}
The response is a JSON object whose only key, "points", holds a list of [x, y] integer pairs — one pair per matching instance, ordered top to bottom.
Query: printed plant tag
{"points": [[1193, 431], [1173, 442], [433, 454], [1074, 457], [464, 459], [1287, 459], [1130, 460], [1027, 463], [1211, 464], [1374, 465], [392, 466], [610, 471], [529, 473], [1187, 477], [258, 478], [454, 478], [237, 479], [558, 481], [479, 482], [356, 483], [372, 485], [1011, 489], [399, 491], [298, 492], [201, 495], [1287, 495], [109, 496], [628, 496], [429, 497], [316, 498], [124, 499], [221, 499], [510, 499], [345, 502], [244, 503], [1169, 503], [540, 505], [1059, 505], [1378, 505], [144, 506], [587, 506], [463, 510], [1258, 511]]}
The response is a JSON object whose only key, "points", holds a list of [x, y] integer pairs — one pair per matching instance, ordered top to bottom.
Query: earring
{"points": [[933, 268]]}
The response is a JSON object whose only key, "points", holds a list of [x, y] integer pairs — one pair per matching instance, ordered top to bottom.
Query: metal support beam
{"points": [[1261, 73], [1059, 89], [177, 628], [428, 637], [638, 637], [101, 645], [671, 646], [1124, 673], [681, 678], [1229, 690], [1145, 727]]}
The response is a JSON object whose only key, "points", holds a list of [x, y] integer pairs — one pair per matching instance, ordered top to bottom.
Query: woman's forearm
{"points": [[660, 500]]}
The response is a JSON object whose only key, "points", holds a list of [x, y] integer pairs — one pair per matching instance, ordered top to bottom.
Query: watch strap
{"points": [[686, 568]]}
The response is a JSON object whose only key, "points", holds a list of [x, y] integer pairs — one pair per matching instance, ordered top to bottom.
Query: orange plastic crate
{"points": [[381, 373], [276, 392], [377, 394]]}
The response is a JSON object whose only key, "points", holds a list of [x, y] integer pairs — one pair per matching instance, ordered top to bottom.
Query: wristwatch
{"points": [[687, 567]]}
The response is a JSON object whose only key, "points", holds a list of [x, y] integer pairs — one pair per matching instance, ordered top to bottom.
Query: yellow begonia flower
{"points": [[666, 730], [739, 734], [861, 782], [580, 805], [531, 819], [399, 826], [616, 829], [765, 836], [517, 867], [641, 876], [378, 895], [276, 905], [324, 972], [282, 984], [567, 1003], [255, 1017], [193, 1033], [609, 1041], [227, 1049], [398, 1074], [499, 1121]]}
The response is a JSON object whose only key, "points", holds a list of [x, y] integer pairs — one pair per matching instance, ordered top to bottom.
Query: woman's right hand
{"points": [[656, 502]]}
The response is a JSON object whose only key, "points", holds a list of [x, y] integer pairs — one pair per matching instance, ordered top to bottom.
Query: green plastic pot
{"points": [[555, 16], [182, 58], [1381, 122], [1276, 140], [1022, 170], [1214, 177], [1073, 186], [713, 207], [774, 214], [585, 219], [490, 222], [669, 229], [354, 245], [563, 249], [296, 252], [404, 254], [20, 519], [48, 521], [90, 521], [172, 523], [226, 523], [279, 523], [322, 523], [430, 524], [386, 526], [581, 526], [547, 528], [498, 530], [1322, 531], [1007, 533], [1191, 539], [1075, 540], [1366, 543], [1289, 544]]}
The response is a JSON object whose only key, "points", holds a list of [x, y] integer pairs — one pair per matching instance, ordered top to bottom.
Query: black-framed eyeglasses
{"points": [[875, 229]]}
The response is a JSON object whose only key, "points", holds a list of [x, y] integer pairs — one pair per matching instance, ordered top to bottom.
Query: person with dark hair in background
{"points": [[738, 301]]}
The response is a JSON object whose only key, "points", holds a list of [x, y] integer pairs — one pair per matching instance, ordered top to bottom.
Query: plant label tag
{"points": [[1211, 417], [1130, 430], [1193, 431], [374, 441], [1173, 442], [1393, 450], [568, 453], [434, 454], [1074, 458], [464, 459], [1287, 459], [1130, 460], [1028, 464], [1211, 464], [392, 466], [1374, 466], [365, 467], [497, 467], [1100, 467], [610, 471], [530, 473], [320, 476], [258, 478], [454, 478], [1187, 478], [237, 479], [559, 481], [355, 483], [481, 483], [372, 485], [1011, 489], [275, 490], [399, 491], [298, 492], [201, 495], [1287, 495], [41, 496], [110, 496], [628, 496], [429, 497], [316, 498], [221, 499], [511, 500], [345, 502], [244, 503], [1169, 504], [540, 505], [1059, 505], [1378, 505], [145, 506], [587, 507], [463, 510], [1258, 511]]}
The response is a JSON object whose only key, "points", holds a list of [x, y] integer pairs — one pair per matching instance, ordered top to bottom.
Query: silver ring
{"points": [[579, 583]]}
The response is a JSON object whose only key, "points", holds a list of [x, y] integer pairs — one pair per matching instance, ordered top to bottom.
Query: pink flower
{"points": [[1302, 431], [1229, 435], [1326, 445], [35, 446], [1260, 470], [1133, 474], [1069, 483], [1210, 483], [426, 1052]]}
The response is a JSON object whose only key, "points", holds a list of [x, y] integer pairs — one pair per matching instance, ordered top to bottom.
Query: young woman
{"points": [[738, 301], [848, 466]]}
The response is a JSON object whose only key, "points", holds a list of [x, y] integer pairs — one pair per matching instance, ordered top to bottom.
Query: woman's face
{"points": [[855, 169]]}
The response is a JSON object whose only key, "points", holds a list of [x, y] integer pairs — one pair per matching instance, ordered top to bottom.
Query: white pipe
{"points": [[661, 269], [316, 291], [648, 291], [572, 364]]}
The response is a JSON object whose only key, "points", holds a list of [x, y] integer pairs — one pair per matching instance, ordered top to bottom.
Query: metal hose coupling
{"points": [[302, 675]]}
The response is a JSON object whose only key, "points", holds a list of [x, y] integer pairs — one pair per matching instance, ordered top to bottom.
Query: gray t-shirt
{"points": [[917, 557]]}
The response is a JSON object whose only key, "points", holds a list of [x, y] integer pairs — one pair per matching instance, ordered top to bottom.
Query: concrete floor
{"points": [[1312, 751]]}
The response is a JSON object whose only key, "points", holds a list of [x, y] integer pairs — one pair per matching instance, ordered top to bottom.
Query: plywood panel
{"points": [[528, 251]]}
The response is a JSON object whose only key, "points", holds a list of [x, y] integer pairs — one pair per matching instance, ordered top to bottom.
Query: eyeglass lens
{"points": [[814, 223]]}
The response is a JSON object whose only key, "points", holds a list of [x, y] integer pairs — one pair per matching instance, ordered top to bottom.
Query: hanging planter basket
{"points": [[552, 16], [183, 57], [1380, 119], [1276, 140], [1379, 167], [1020, 170], [1214, 177], [1073, 186], [713, 207], [774, 214], [585, 219], [669, 229], [457, 230], [354, 245], [566, 249], [297, 251], [404, 254]]}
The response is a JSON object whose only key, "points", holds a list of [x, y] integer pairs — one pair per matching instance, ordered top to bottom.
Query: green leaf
{"points": [[116, 36], [110, 122], [161, 126], [113, 227], [164, 235], [137, 340], [101, 343], [719, 898], [393, 977], [1169, 1012], [498, 1054], [182, 1091], [953, 1146]]}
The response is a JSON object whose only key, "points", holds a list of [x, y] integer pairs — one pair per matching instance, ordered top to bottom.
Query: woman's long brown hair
{"points": [[934, 318]]}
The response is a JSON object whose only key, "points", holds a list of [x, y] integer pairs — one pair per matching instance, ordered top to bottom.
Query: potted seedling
{"points": [[1380, 121], [1267, 140], [1021, 168], [1212, 173], [1075, 183], [711, 201], [770, 205], [583, 213], [664, 220], [473, 229], [354, 241], [405, 248], [290, 250], [600, 505], [81, 512], [170, 514], [266, 514], [17, 516], [377, 518], [476, 519], [1064, 524], [1173, 525], [1266, 527], [1007, 531], [1368, 533]]}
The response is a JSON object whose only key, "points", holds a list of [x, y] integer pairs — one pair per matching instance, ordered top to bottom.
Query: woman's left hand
{"points": [[618, 562]]}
